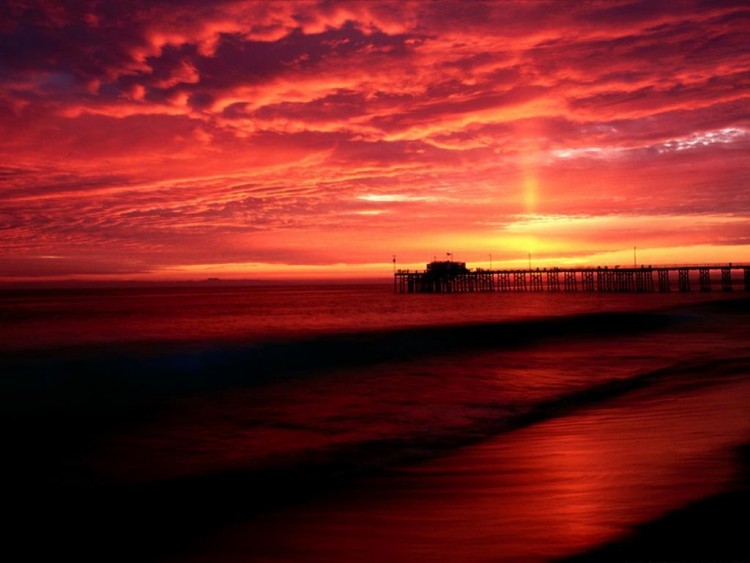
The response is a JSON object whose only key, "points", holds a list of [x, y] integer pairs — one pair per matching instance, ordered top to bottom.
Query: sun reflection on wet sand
{"points": [[546, 491]]}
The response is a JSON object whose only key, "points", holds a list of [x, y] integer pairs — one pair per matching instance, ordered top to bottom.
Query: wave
{"points": [[107, 378], [69, 399], [161, 514]]}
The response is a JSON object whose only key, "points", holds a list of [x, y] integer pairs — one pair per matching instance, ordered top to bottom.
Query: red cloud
{"points": [[243, 131]]}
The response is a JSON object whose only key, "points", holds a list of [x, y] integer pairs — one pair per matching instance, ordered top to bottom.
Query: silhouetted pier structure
{"points": [[455, 277]]}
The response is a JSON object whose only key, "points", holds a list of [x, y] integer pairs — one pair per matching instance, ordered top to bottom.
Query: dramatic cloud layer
{"points": [[184, 139]]}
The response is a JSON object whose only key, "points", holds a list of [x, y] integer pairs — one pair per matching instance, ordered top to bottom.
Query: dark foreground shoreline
{"points": [[59, 409], [712, 529]]}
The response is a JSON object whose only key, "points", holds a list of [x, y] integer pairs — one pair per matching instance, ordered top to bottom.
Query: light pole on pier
{"points": [[394, 263], [635, 263]]}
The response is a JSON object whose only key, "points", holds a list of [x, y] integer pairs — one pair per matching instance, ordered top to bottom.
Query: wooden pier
{"points": [[454, 277]]}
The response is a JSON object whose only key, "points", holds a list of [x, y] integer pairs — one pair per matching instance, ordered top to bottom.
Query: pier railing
{"points": [[643, 279]]}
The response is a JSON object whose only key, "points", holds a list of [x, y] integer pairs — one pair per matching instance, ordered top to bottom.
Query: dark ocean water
{"points": [[346, 423]]}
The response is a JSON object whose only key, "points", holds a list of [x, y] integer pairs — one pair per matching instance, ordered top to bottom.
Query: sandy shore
{"points": [[655, 473], [710, 529]]}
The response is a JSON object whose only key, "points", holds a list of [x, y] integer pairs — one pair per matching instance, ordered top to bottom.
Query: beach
{"points": [[348, 423]]}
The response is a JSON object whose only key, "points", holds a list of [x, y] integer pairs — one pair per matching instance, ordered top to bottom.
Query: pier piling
{"points": [[683, 280], [664, 285]]}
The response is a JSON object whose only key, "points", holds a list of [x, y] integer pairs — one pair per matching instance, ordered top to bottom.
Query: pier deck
{"points": [[454, 277]]}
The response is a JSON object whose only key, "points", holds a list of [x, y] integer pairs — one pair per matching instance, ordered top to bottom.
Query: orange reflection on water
{"points": [[553, 489]]}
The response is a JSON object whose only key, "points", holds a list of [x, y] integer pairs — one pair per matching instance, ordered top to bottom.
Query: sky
{"points": [[188, 139]]}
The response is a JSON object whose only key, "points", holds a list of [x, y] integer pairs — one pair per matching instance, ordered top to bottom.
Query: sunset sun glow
{"points": [[279, 139]]}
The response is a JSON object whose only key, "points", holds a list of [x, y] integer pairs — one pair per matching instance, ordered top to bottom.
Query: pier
{"points": [[455, 277]]}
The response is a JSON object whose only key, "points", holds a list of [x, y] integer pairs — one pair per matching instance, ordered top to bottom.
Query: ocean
{"points": [[347, 423]]}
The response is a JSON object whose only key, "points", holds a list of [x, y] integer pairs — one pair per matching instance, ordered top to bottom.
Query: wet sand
{"points": [[592, 436], [554, 489], [711, 529]]}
